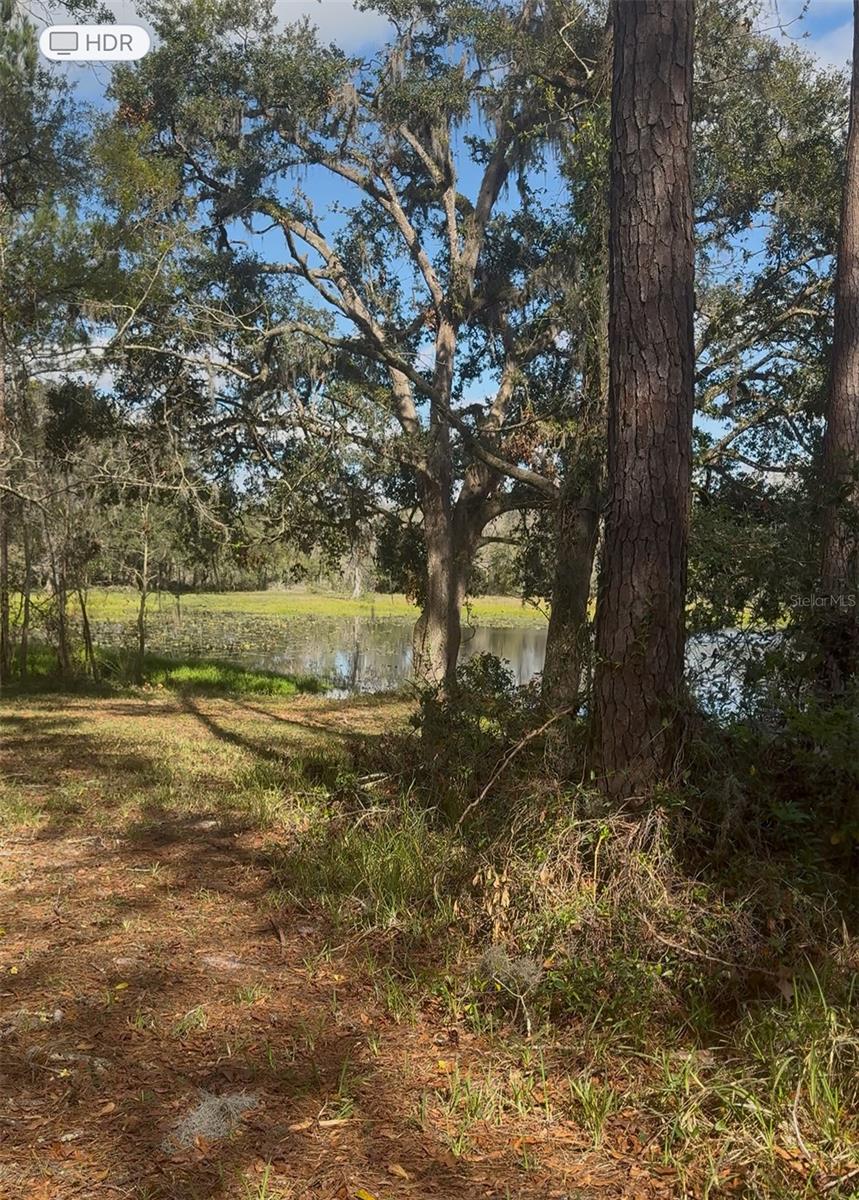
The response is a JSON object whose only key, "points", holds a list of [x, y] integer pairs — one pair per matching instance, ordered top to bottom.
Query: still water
{"points": [[350, 654], [371, 654], [363, 655]]}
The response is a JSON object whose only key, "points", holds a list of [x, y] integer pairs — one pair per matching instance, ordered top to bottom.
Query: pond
{"points": [[351, 654], [355, 654], [361, 655]]}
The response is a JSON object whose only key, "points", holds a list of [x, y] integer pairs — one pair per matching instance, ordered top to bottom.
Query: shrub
{"points": [[464, 732]]}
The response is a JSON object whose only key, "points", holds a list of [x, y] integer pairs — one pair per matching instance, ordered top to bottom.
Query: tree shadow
{"points": [[138, 1027]]}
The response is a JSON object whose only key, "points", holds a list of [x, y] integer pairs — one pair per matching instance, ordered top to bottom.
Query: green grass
{"points": [[120, 604], [191, 676], [204, 677], [381, 873], [193, 1021], [730, 1087]]}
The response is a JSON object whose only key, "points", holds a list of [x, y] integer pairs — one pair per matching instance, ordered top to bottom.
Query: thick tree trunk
{"points": [[577, 527], [452, 537], [839, 574], [640, 617], [437, 630]]}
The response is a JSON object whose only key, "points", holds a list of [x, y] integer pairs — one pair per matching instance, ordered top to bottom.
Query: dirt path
{"points": [[144, 970]]}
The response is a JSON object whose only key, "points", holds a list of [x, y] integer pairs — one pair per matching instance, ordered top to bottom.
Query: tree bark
{"points": [[577, 519], [576, 530], [452, 535], [839, 572], [143, 583], [640, 618], [437, 630], [24, 642], [89, 648], [64, 660]]}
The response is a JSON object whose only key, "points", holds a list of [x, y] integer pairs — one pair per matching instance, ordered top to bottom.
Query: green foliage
{"points": [[74, 415], [401, 558], [117, 671], [465, 729], [788, 779]]}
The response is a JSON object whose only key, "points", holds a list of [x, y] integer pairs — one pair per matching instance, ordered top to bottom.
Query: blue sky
{"points": [[823, 27]]}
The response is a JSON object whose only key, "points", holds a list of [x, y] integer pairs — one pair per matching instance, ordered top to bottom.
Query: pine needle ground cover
{"points": [[206, 907]]}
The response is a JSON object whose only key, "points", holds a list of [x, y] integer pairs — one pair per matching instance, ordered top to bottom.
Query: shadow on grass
{"points": [[118, 675], [310, 764], [52, 767], [598, 884], [146, 1019]]}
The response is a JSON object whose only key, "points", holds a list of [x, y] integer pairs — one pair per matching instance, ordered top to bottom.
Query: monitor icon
{"points": [[63, 41]]}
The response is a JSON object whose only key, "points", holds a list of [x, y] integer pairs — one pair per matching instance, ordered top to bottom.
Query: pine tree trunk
{"points": [[839, 575], [640, 617]]}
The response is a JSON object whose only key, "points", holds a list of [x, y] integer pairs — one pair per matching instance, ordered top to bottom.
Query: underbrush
{"points": [[118, 670], [383, 869], [697, 951]]}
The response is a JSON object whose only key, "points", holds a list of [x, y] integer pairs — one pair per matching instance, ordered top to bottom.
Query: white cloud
{"points": [[338, 21], [823, 28], [834, 48]]}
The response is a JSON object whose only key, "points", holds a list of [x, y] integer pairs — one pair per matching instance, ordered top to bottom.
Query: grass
{"points": [[120, 604], [117, 671], [207, 677], [379, 873], [252, 993], [193, 1021], [720, 1080], [734, 1085], [595, 1102]]}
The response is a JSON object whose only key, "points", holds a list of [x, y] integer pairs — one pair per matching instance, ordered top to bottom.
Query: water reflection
{"points": [[369, 654], [363, 655]]}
